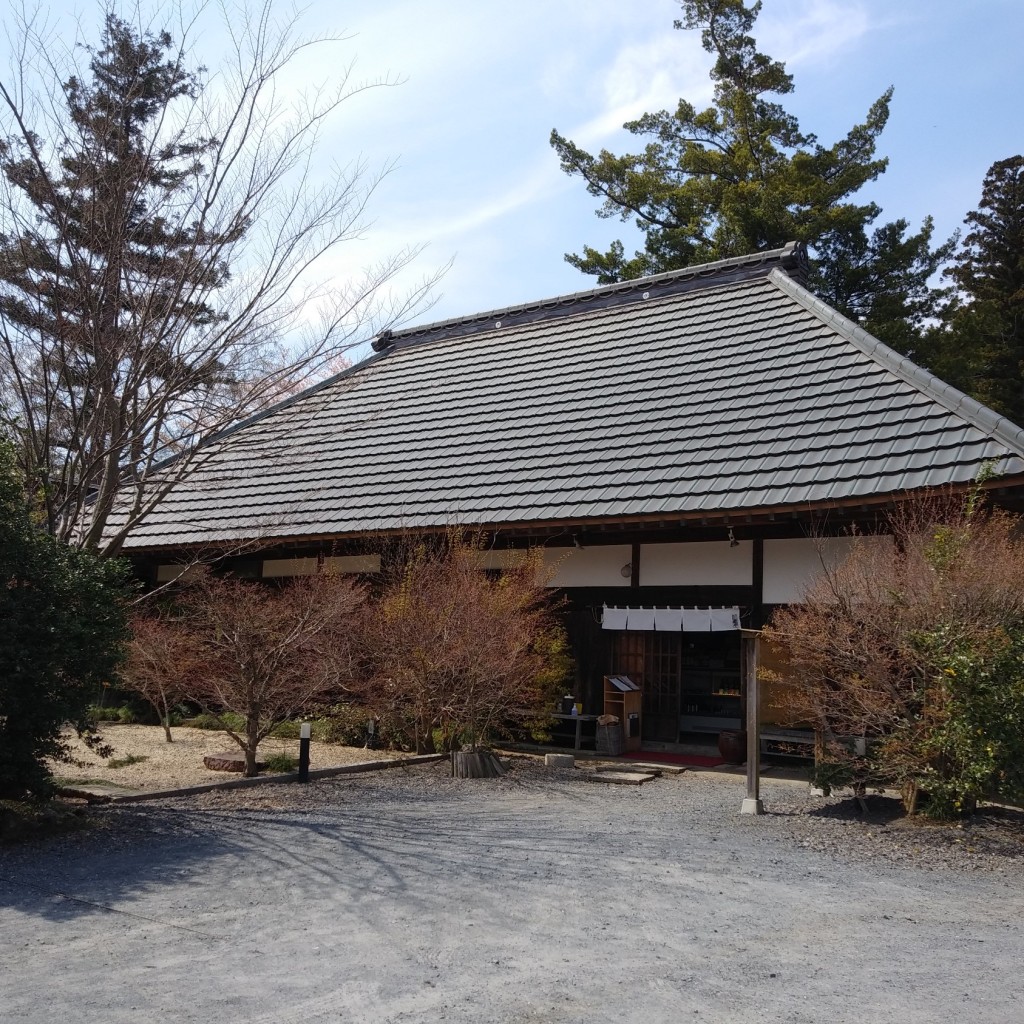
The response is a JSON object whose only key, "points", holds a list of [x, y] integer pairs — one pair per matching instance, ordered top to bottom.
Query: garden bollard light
{"points": [[305, 731]]}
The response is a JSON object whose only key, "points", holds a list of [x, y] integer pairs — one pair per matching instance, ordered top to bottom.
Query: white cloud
{"points": [[802, 33], [646, 76]]}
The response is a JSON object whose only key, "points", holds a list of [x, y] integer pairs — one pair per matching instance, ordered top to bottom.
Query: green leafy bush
{"points": [[62, 612], [215, 722], [128, 759], [281, 763]]}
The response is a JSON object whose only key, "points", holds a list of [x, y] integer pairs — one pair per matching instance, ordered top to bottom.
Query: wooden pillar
{"points": [[757, 612], [750, 643]]}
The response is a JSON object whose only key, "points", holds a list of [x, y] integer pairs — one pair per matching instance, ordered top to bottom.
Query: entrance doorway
{"points": [[691, 681]]}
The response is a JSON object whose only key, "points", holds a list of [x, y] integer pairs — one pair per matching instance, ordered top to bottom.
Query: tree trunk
{"points": [[164, 710], [425, 737], [252, 739], [476, 764], [860, 793], [909, 793]]}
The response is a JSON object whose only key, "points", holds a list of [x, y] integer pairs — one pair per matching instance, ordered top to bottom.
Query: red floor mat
{"points": [[657, 757]]}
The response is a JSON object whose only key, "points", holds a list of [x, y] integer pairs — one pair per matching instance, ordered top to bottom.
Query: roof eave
{"points": [[736, 515]]}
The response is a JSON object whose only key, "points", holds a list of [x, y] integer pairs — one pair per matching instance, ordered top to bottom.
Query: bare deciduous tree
{"points": [[162, 238], [914, 646], [456, 649], [263, 653], [162, 659]]}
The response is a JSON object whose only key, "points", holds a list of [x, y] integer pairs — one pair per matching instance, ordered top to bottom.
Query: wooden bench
{"points": [[779, 742]]}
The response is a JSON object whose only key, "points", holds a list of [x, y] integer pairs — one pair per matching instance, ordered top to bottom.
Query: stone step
{"points": [[228, 761], [654, 766], [620, 778]]}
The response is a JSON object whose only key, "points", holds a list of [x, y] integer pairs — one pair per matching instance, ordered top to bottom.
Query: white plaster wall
{"points": [[499, 558], [352, 563], [701, 563], [790, 565], [274, 567], [587, 567], [170, 573]]}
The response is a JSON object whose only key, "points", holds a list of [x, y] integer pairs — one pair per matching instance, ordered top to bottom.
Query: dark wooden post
{"points": [[750, 643], [305, 732]]}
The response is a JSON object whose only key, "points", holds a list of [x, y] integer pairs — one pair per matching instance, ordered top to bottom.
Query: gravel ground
{"points": [[178, 764], [407, 896]]}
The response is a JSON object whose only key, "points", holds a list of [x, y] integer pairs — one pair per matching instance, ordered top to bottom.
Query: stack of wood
{"points": [[476, 764]]}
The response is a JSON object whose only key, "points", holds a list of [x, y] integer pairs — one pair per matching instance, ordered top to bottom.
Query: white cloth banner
{"points": [[614, 618], [640, 618], [724, 618], [668, 620], [671, 620], [696, 620]]}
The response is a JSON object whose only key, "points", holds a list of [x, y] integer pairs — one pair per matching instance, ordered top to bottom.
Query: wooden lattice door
{"points": [[652, 661]]}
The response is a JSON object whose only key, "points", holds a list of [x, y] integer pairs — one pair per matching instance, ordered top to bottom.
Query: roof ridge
{"points": [[791, 255], [950, 398]]}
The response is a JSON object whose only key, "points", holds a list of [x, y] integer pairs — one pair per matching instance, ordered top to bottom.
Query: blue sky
{"points": [[486, 83], [483, 84]]}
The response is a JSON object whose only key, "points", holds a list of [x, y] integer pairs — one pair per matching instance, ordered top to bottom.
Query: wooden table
{"points": [[579, 720]]}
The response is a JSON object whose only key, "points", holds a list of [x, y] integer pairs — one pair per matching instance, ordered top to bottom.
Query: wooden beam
{"points": [[757, 578], [750, 644]]}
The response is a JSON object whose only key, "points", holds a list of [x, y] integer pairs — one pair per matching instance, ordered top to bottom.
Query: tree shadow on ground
{"points": [[878, 810], [992, 829], [351, 850]]}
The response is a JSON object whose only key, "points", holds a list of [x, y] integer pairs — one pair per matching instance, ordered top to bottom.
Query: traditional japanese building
{"points": [[687, 449]]}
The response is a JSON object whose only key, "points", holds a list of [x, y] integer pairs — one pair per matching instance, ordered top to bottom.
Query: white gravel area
{"points": [[180, 764], [406, 896]]}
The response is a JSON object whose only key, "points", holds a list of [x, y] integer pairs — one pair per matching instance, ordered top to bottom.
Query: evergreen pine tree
{"points": [[742, 176], [109, 258], [984, 342], [62, 633]]}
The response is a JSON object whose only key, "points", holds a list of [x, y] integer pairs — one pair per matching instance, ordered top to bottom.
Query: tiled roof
{"points": [[726, 387]]}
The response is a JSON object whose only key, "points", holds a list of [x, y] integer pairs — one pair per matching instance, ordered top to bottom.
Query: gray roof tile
{"points": [[730, 388]]}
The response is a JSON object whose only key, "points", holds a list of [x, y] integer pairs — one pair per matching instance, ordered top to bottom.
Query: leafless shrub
{"points": [[911, 647], [458, 651], [261, 653]]}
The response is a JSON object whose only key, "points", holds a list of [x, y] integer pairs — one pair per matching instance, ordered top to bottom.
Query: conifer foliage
{"points": [[742, 176], [160, 233], [108, 258], [985, 339], [62, 634]]}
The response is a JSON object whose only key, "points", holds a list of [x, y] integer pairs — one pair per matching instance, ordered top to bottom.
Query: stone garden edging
{"points": [[262, 780]]}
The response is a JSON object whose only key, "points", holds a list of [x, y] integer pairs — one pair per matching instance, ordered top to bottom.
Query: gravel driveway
{"points": [[407, 896]]}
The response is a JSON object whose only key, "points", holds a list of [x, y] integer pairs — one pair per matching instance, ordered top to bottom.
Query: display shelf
{"points": [[624, 700]]}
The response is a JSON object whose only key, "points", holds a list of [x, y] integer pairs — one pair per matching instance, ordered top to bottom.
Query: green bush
{"points": [[62, 613], [94, 714], [120, 714], [216, 723], [346, 724], [287, 730], [974, 746], [124, 762], [281, 763]]}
